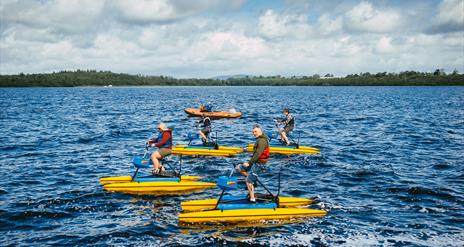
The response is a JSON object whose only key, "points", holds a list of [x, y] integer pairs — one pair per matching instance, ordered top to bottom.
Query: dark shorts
{"points": [[288, 129], [206, 130], [164, 152]]}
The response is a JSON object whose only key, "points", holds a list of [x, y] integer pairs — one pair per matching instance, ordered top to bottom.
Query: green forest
{"points": [[105, 78]]}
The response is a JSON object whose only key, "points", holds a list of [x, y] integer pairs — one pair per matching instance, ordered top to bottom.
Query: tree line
{"points": [[105, 78]]}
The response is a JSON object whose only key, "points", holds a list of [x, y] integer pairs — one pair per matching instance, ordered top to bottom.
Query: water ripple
{"points": [[390, 172]]}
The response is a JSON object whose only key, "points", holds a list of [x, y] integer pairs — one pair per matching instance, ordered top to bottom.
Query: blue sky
{"points": [[206, 38]]}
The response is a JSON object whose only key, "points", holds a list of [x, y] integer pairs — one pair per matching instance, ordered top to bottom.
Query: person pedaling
{"points": [[289, 125], [206, 129], [164, 144], [254, 166]]}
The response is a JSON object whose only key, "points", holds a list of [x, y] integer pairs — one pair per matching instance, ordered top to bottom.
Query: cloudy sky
{"points": [[206, 38]]}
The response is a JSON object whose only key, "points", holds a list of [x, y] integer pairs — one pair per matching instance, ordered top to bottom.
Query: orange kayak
{"points": [[195, 112]]}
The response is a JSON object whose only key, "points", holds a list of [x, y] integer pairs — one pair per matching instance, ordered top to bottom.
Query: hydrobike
{"points": [[277, 146], [293, 148], [210, 149], [170, 182], [235, 209]]}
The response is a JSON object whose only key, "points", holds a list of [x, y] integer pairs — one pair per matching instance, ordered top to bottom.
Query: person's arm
{"points": [[166, 137], [154, 140], [258, 151]]}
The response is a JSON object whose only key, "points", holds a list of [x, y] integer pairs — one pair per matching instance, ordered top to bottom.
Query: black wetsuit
{"points": [[205, 125]]}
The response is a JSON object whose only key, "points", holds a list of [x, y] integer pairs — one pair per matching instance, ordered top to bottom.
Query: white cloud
{"points": [[5, 3], [235, 4], [148, 10], [163, 11], [451, 11], [62, 15], [450, 17], [365, 18], [273, 25], [327, 26], [40, 35], [152, 38], [172, 38], [182, 39], [455, 39], [425, 40], [446, 41], [233, 44], [384, 45], [344, 47], [55, 51], [28, 56]]}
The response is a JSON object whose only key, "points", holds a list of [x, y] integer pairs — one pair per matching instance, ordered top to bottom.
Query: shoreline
{"points": [[110, 79], [231, 86]]}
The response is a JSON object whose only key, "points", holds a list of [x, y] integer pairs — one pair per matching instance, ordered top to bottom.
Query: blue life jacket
{"points": [[209, 108]]}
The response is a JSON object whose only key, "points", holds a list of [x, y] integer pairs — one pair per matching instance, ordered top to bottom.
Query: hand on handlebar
{"points": [[149, 145]]}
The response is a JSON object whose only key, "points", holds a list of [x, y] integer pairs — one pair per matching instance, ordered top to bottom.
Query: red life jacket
{"points": [[266, 154]]}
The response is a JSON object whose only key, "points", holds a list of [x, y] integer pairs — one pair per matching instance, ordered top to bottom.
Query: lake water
{"points": [[390, 173]]}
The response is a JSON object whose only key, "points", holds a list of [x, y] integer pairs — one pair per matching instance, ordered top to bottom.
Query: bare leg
{"points": [[283, 136], [203, 137], [155, 157], [250, 187], [251, 190]]}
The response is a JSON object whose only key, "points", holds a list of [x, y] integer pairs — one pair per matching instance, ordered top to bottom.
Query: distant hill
{"points": [[227, 77]]}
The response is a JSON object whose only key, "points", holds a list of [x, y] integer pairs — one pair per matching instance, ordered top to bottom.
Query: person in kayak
{"points": [[206, 108], [289, 125], [206, 129], [164, 144], [260, 157]]}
